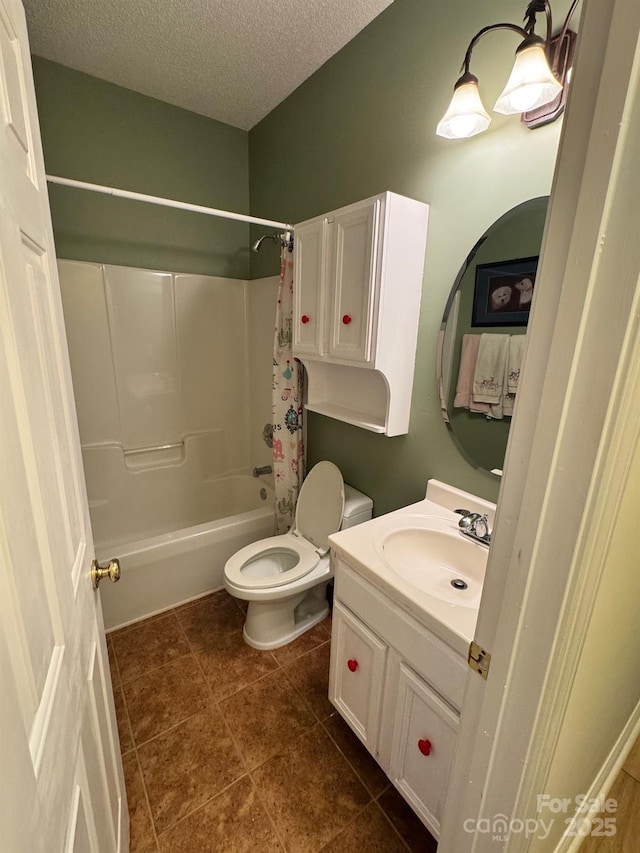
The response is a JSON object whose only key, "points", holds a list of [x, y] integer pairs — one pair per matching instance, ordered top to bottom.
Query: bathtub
{"points": [[168, 568]]}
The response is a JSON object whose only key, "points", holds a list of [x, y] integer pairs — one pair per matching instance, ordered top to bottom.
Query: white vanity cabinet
{"points": [[357, 286], [400, 689]]}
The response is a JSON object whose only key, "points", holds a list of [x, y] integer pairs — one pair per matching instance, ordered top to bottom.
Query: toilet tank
{"points": [[357, 507]]}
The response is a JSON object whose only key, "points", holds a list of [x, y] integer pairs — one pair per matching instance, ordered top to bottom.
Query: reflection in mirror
{"points": [[483, 328]]}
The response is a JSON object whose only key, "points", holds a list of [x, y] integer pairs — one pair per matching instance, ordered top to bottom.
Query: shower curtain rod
{"points": [[167, 202]]}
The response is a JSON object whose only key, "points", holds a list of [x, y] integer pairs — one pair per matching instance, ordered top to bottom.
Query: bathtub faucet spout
{"points": [[264, 469]]}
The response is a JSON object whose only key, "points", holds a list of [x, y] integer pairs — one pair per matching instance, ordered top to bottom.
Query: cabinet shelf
{"points": [[355, 395], [349, 416]]}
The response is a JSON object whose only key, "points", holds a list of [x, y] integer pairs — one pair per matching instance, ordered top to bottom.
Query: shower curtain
{"points": [[288, 449]]}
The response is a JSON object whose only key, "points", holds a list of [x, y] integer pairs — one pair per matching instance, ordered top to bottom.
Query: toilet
{"points": [[284, 578]]}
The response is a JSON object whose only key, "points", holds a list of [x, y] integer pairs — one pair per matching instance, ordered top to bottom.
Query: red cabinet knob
{"points": [[304, 319], [346, 319], [352, 664], [424, 746]]}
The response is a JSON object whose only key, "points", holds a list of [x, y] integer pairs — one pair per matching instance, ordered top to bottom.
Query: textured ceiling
{"points": [[232, 60]]}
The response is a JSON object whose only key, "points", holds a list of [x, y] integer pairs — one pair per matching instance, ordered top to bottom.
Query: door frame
{"points": [[575, 429]]}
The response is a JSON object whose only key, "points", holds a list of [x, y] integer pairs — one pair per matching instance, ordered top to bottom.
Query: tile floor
{"points": [[226, 748]]}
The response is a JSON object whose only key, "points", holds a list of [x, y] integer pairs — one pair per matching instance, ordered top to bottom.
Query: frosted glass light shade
{"points": [[531, 84], [466, 115]]}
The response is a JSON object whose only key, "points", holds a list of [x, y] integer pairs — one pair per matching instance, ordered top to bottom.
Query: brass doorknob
{"points": [[112, 571]]}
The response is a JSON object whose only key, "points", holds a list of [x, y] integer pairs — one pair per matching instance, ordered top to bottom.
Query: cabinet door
{"points": [[308, 273], [353, 277], [356, 676], [424, 739]]}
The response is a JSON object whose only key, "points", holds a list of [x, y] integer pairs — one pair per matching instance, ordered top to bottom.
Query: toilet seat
{"points": [[281, 560], [272, 562]]}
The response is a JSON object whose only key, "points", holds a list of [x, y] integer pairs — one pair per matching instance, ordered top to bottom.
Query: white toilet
{"points": [[284, 578]]}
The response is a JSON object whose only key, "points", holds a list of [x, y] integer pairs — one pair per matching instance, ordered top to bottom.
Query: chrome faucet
{"points": [[264, 469], [475, 525]]}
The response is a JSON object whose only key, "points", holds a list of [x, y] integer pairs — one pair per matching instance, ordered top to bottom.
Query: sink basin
{"points": [[433, 556]]}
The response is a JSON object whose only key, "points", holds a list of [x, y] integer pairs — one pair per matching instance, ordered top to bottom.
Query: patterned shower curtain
{"points": [[288, 449]]}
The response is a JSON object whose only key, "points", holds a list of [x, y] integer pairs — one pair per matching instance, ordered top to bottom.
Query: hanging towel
{"points": [[516, 352], [489, 377], [512, 378], [464, 387], [443, 402]]}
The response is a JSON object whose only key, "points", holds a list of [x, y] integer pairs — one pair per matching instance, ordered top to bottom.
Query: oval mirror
{"points": [[482, 333]]}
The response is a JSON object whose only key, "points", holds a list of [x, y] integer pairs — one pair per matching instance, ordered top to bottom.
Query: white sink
{"points": [[433, 556]]}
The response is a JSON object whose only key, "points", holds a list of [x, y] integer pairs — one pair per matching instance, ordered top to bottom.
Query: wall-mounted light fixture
{"points": [[536, 87]]}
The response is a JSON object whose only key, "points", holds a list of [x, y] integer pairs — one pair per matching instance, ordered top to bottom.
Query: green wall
{"points": [[364, 123], [101, 133]]}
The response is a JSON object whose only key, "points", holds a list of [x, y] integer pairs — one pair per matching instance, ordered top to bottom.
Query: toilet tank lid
{"points": [[355, 502]]}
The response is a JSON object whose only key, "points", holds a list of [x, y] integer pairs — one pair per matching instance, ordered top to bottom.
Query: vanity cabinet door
{"points": [[353, 282], [308, 293], [356, 676], [424, 738]]}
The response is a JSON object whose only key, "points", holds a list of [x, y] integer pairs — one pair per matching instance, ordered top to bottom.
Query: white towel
{"points": [[516, 352], [491, 367], [512, 377]]}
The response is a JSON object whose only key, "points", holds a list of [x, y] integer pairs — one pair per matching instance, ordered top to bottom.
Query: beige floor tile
{"points": [[208, 618], [305, 643], [147, 645], [229, 664], [310, 674], [164, 697], [266, 717], [122, 719], [358, 756], [632, 764], [188, 765], [626, 790], [310, 792], [233, 821], [140, 825], [408, 825], [370, 832]]}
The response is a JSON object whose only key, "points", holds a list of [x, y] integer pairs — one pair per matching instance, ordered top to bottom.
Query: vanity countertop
{"points": [[359, 546]]}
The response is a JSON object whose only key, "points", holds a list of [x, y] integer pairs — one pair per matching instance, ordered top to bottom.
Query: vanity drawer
{"points": [[429, 656], [356, 675], [424, 737]]}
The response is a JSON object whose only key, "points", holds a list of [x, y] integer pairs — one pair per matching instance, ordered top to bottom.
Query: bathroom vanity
{"points": [[401, 635]]}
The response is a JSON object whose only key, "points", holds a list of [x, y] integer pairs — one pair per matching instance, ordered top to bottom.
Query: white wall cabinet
{"points": [[357, 286], [399, 687]]}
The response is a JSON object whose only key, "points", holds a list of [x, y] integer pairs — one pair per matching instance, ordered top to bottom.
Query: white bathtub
{"points": [[163, 570]]}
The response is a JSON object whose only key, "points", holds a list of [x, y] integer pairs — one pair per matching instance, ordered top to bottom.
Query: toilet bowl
{"points": [[284, 578]]}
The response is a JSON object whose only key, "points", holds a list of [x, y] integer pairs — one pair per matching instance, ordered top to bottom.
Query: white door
{"points": [[352, 270], [309, 276], [356, 675], [424, 738], [61, 781]]}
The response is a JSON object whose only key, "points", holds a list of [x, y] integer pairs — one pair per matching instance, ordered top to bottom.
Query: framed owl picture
{"points": [[503, 292]]}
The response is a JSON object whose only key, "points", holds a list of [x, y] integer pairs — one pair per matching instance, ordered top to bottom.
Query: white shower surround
{"points": [[172, 379]]}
